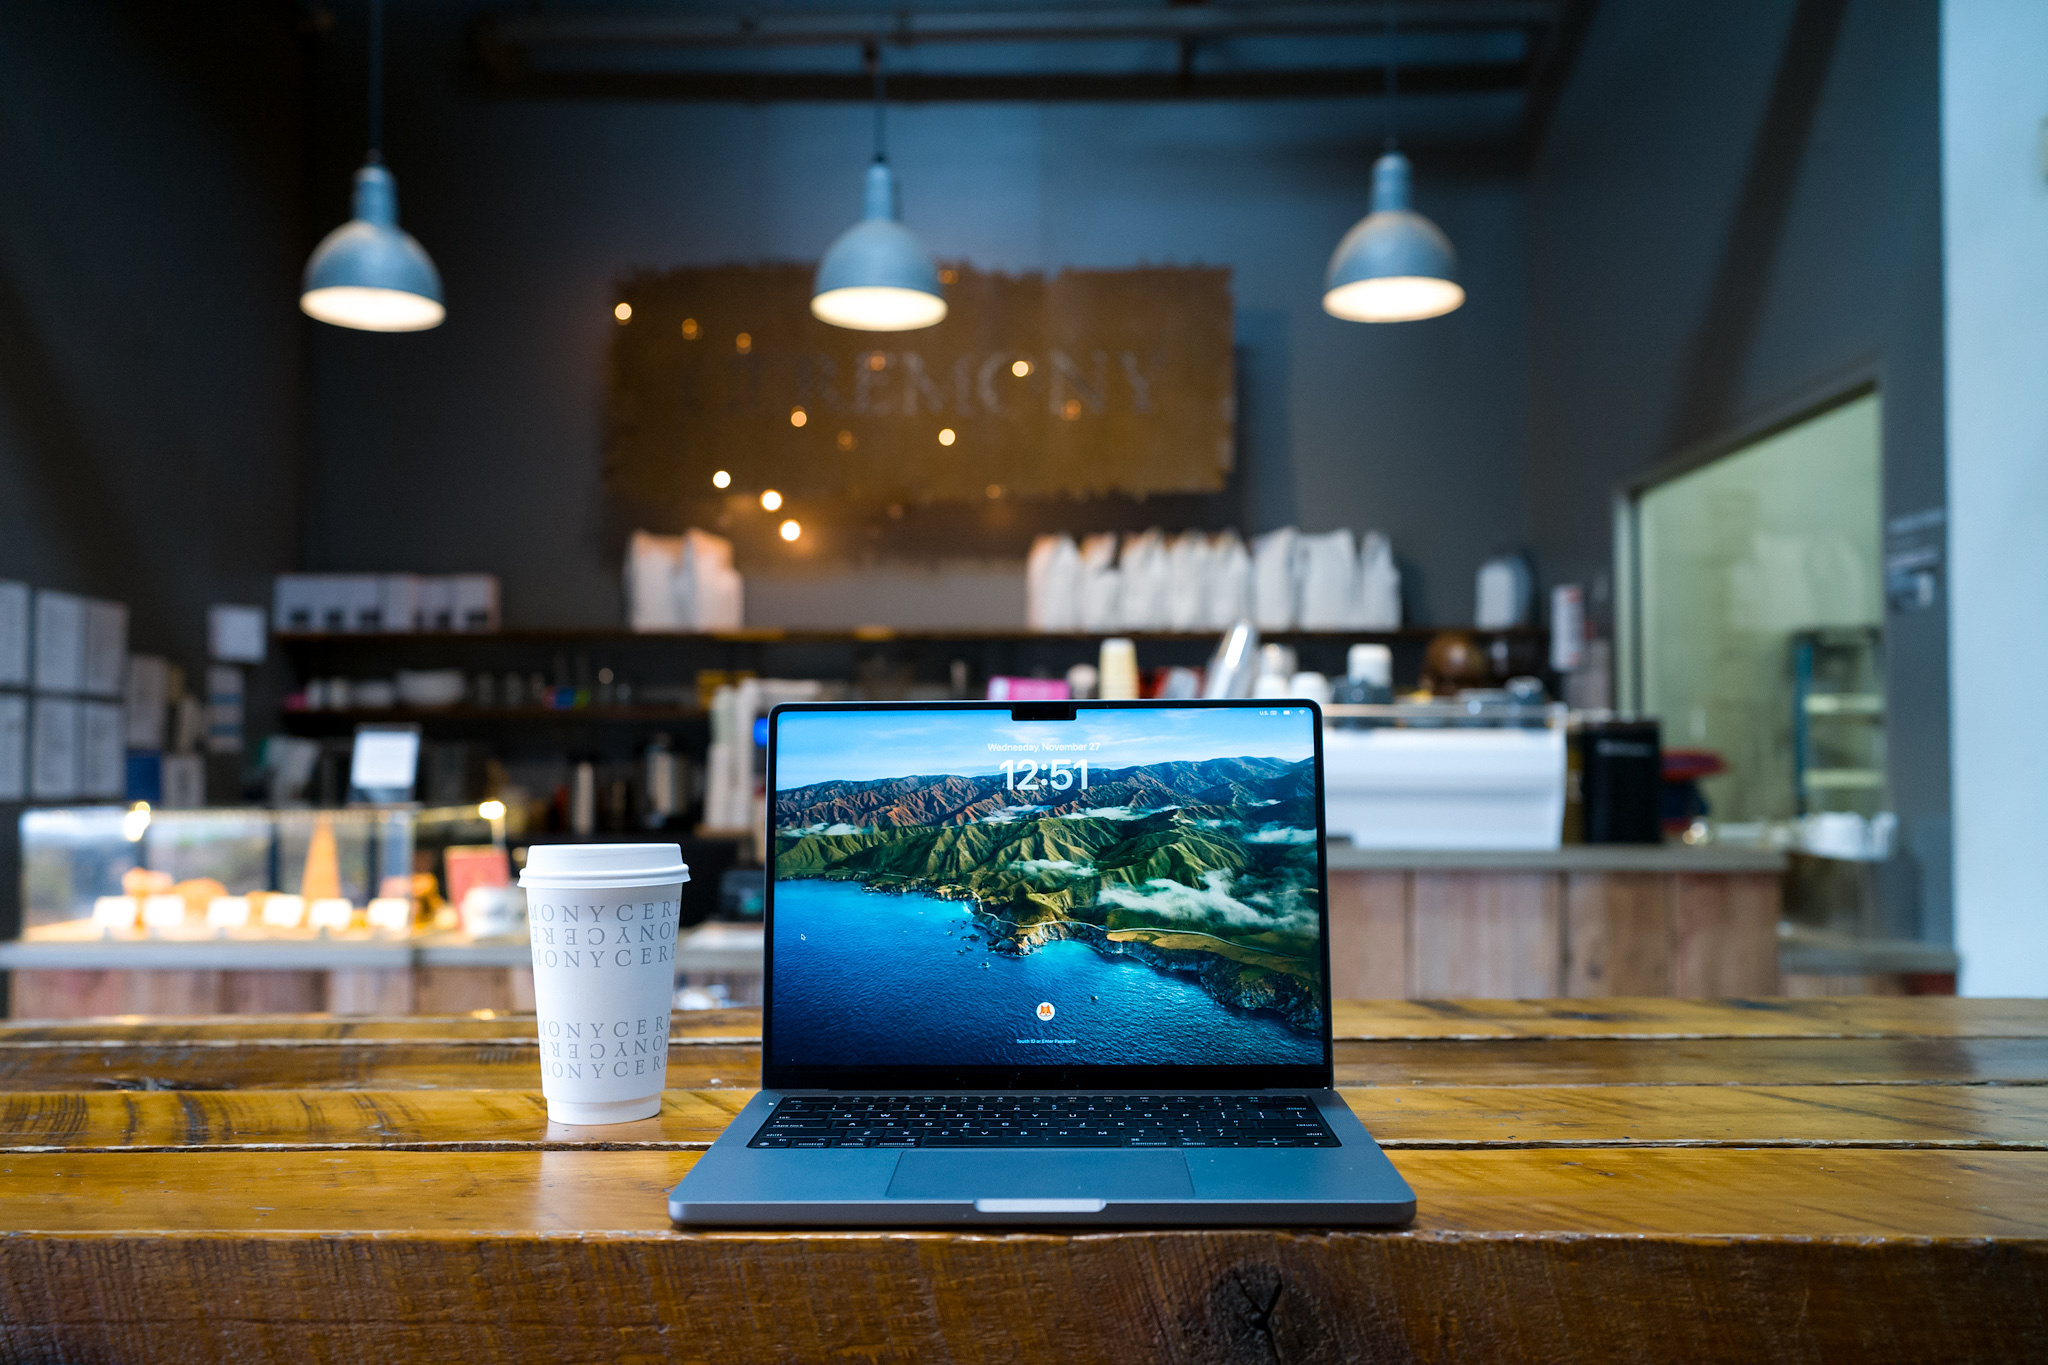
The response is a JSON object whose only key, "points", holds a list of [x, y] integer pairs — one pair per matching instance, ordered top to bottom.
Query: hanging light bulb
{"points": [[1394, 265], [369, 273], [877, 277]]}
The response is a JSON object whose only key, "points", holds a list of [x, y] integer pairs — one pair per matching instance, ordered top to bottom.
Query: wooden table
{"points": [[1656, 1180]]}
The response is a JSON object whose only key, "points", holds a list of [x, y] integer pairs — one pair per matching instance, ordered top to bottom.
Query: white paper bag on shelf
{"points": [[1189, 561], [652, 563], [1143, 566], [1329, 580], [1230, 582], [1052, 584], [1379, 585], [708, 588], [1275, 591], [1101, 594]]}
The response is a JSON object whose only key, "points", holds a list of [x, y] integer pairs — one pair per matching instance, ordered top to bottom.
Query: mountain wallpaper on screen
{"points": [[1206, 868]]}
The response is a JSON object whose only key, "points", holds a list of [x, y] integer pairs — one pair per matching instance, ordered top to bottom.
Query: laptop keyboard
{"points": [[1232, 1120]]}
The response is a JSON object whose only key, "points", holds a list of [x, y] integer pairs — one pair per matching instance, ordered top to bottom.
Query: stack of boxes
{"points": [[393, 602]]}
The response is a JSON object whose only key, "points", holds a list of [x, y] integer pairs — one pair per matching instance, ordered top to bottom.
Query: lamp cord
{"points": [[376, 80], [1393, 81], [881, 99]]}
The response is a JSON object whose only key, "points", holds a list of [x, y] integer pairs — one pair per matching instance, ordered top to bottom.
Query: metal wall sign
{"points": [[1089, 383]]}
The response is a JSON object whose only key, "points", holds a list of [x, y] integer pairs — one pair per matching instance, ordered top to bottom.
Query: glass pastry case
{"points": [[96, 872]]}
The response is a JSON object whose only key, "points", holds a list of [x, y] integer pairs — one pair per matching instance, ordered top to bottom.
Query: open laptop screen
{"points": [[1028, 894]]}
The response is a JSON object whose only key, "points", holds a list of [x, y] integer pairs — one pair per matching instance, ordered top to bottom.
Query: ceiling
{"points": [[1245, 49]]}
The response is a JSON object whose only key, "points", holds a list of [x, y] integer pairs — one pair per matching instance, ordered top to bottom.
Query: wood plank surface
{"points": [[1929, 1016], [1890, 1017], [735, 1025], [512, 1064], [1975, 1116], [1658, 1180], [1687, 1192], [1221, 1298]]}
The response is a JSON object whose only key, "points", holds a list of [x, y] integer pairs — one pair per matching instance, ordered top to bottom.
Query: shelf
{"points": [[858, 635], [1868, 705], [472, 715], [1861, 778]]}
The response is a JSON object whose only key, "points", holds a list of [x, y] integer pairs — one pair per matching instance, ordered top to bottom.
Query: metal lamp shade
{"points": [[1394, 265], [368, 273], [878, 277]]}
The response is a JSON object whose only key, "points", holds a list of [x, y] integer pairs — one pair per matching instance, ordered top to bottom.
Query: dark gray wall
{"points": [[1737, 211], [151, 233], [150, 241], [477, 446]]}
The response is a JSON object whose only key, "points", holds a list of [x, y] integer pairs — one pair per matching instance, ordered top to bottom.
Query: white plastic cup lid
{"points": [[602, 866]]}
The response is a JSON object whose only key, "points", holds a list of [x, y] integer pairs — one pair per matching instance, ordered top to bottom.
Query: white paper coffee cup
{"points": [[603, 921]]}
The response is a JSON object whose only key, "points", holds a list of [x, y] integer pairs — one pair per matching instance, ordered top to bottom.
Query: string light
{"points": [[624, 312], [797, 417], [946, 436], [721, 480], [770, 500], [790, 530]]}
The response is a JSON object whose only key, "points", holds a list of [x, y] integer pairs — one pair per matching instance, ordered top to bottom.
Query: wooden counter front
{"points": [[1645, 1179]]}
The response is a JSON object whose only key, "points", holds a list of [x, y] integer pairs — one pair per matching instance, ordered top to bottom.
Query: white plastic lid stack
{"points": [[1373, 664], [602, 866]]}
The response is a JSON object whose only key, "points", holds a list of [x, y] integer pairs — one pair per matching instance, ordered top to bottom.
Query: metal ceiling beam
{"points": [[908, 27], [917, 89]]}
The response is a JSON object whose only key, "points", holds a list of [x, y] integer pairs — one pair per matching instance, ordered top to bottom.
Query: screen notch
{"points": [[1043, 710]]}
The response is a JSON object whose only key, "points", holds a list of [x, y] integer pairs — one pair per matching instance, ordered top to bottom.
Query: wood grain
{"points": [[1486, 934], [1617, 934], [1724, 935], [1370, 954], [1890, 1017], [1899, 1017], [735, 1025], [1694, 1061], [489, 1064], [512, 1064], [1409, 1117], [1718, 1181], [1667, 1191], [1221, 1298]]}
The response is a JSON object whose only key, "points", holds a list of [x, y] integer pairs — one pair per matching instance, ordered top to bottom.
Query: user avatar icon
{"points": [[1045, 1009]]}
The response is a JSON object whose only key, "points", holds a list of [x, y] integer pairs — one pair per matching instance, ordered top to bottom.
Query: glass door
{"points": [[1759, 613]]}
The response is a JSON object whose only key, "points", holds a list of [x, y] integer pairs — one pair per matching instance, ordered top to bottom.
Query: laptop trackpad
{"points": [[1007, 1173]]}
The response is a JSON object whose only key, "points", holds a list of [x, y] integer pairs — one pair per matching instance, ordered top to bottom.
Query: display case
{"points": [[96, 872]]}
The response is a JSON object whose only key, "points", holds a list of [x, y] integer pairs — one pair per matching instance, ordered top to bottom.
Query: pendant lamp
{"points": [[1394, 265], [369, 273], [877, 277]]}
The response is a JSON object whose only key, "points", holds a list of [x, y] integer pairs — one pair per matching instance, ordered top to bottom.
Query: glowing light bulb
{"points": [[624, 312], [691, 331], [1020, 368], [797, 417], [946, 436], [721, 480], [771, 500], [790, 530], [491, 810]]}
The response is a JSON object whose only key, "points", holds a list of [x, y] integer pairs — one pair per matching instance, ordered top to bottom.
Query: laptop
{"points": [[1045, 963]]}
